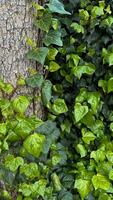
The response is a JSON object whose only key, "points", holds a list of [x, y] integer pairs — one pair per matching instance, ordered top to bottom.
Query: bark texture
{"points": [[16, 22]]}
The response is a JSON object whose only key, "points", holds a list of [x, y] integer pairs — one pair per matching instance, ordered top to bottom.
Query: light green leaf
{"points": [[37, 6], [57, 7], [97, 11], [108, 21], [45, 22], [77, 27], [53, 37], [52, 53], [38, 55], [75, 59], [53, 66], [83, 69], [35, 81], [103, 84], [110, 85], [46, 92], [93, 99], [20, 104], [59, 106], [80, 111], [3, 129], [88, 136], [34, 144], [81, 149], [99, 155], [109, 156], [56, 159], [13, 163], [30, 170], [111, 175], [56, 182], [100, 182], [83, 186], [39, 187], [25, 189]]}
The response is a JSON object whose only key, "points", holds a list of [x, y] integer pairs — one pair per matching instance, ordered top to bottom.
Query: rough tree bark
{"points": [[16, 22]]}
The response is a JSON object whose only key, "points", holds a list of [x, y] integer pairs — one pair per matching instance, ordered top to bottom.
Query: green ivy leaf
{"points": [[57, 7], [97, 11], [45, 22], [77, 27], [53, 37], [52, 53], [38, 55], [53, 66], [83, 69], [35, 81], [103, 84], [110, 85], [46, 92], [93, 99], [20, 104], [59, 106], [80, 111], [50, 130], [88, 136], [34, 144], [81, 149], [99, 155], [109, 156], [13, 163], [30, 170], [100, 182], [83, 186], [25, 189]]}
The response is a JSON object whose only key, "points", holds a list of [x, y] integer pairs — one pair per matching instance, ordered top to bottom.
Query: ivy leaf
{"points": [[57, 7], [97, 11], [108, 21], [45, 22], [77, 27], [53, 37], [52, 53], [38, 55], [53, 66], [83, 69], [35, 81], [103, 84], [110, 85], [46, 92], [93, 99], [20, 104], [59, 106], [80, 111], [3, 129], [50, 130], [88, 136], [34, 144], [81, 149], [98, 155], [109, 156], [13, 163], [30, 170], [100, 182], [83, 186], [25, 189]]}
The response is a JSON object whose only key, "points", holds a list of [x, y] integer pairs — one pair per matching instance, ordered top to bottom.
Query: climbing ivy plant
{"points": [[69, 155]]}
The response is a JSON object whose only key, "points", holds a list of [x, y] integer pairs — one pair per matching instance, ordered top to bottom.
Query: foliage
{"points": [[70, 154]]}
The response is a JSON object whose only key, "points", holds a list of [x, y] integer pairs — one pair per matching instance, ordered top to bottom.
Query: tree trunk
{"points": [[15, 24]]}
